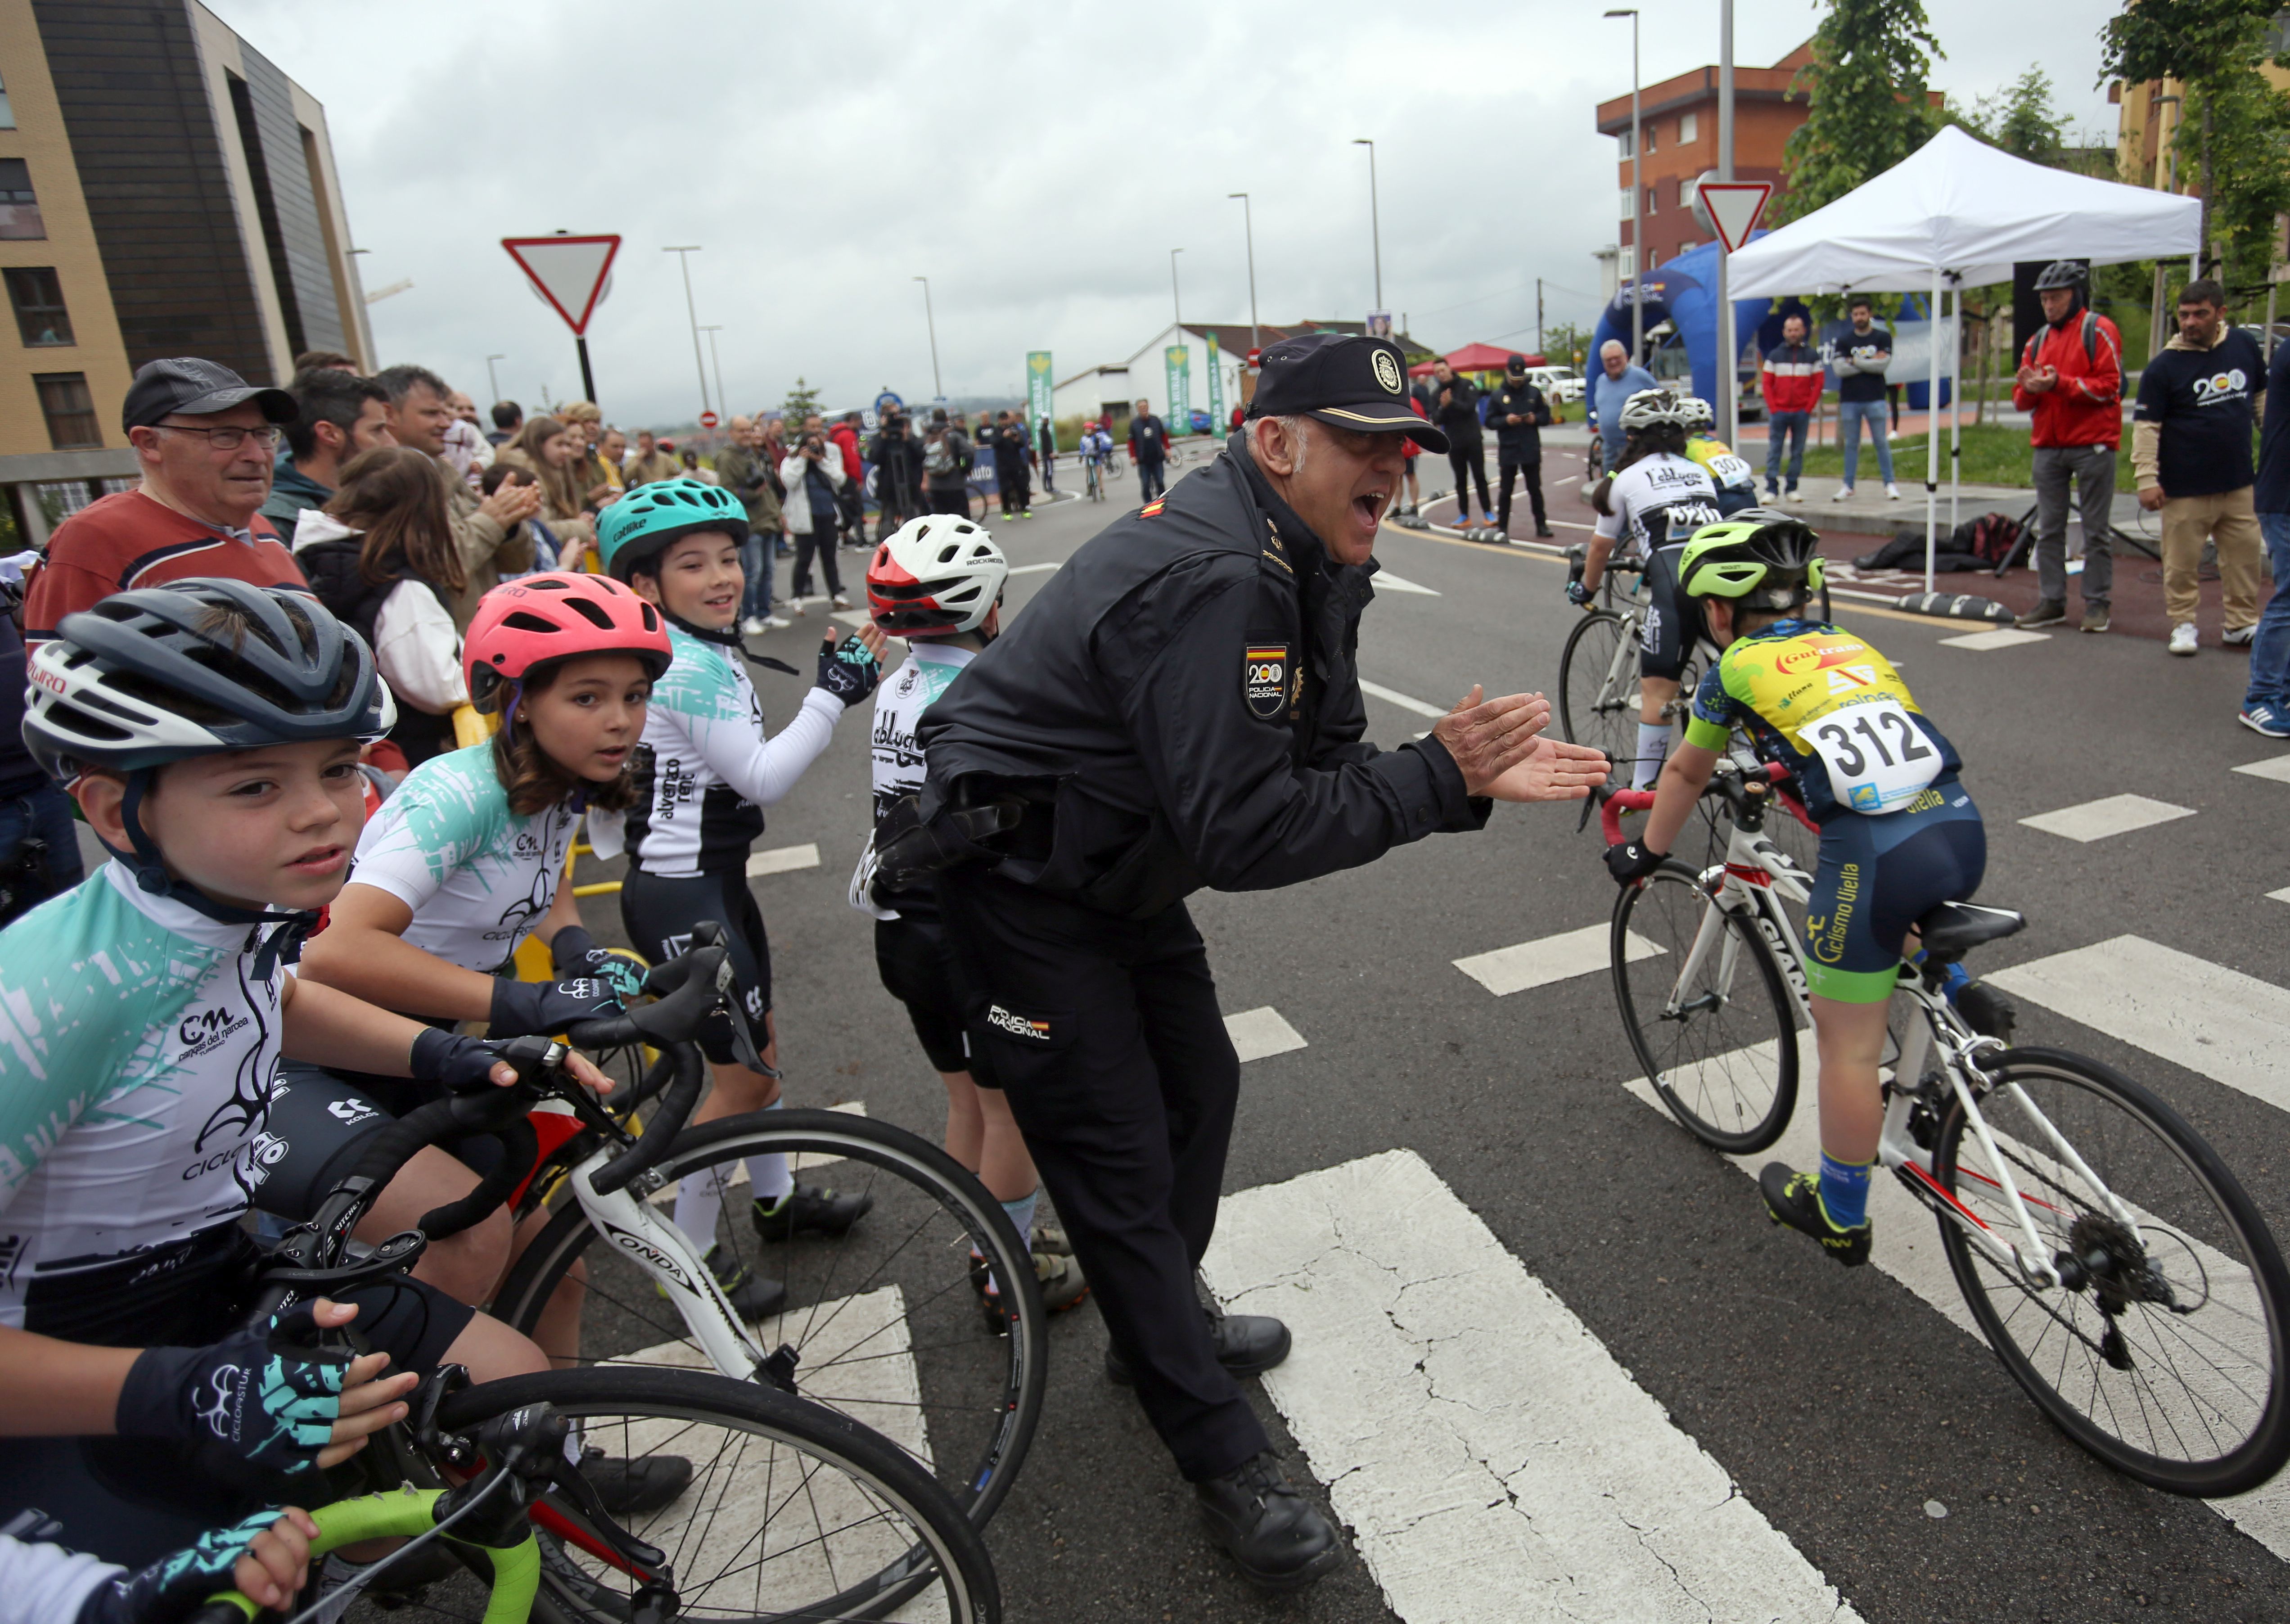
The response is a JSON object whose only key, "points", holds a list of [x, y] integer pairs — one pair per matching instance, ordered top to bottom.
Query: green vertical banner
{"points": [[1037, 387], [1216, 387], [1180, 390]]}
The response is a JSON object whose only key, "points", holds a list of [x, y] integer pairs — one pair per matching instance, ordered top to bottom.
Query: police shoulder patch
{"points": [[1151, 509], [1264, 679]]}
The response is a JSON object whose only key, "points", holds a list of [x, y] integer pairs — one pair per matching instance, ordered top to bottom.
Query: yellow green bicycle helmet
{"points": [[1759, 559]]}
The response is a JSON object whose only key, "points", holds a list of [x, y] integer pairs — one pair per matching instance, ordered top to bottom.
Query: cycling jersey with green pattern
{"points": [[1777, 682]]}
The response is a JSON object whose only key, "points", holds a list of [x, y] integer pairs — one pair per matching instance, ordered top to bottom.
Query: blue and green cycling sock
{"points": [[1845, 1191]]}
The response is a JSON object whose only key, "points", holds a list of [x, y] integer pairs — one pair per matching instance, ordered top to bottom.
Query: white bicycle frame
{"points": [[1754, 880]]}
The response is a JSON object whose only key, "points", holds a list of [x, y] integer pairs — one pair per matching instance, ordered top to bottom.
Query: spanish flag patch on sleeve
{"points": [[1152, 507]]}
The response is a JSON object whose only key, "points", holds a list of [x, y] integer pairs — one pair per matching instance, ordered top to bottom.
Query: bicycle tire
{"points": [[1586, 714], [1758, 1074], [2244, 1278], [977, 1420], [943, 1552]]}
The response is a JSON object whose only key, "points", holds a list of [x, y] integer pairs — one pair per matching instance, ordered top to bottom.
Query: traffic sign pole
{"points": [[1730, 209], [569, 273], [587, 378]]}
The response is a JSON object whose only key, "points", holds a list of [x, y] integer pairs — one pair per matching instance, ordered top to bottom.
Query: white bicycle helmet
{"points": [[1653, 409], [1698, 415], [937, 574]]}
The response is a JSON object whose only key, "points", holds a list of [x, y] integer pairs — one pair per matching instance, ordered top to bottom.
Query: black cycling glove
{"points": [[1578, 595], [848, 669], [1631, 861], [575, 953], [527, 1009], [464, 1064], [260, 1395], [174, 1586]]}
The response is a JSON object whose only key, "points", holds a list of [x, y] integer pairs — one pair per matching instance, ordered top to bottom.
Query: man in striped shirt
{"points": [[1792, 383], [207, 440]]}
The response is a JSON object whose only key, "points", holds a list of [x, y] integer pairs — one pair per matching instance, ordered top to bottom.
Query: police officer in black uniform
{"points": [[1518, 415], [1179, 707]]}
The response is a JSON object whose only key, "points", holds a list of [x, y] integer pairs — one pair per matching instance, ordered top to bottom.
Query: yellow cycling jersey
{"points": [[1727, 471], [1821, 701]]}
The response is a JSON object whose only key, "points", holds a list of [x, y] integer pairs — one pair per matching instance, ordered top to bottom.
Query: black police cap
{"points": [[1342, 378]]}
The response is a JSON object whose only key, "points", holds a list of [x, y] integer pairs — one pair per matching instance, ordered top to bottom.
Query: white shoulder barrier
{"points": [[1956, 606]]}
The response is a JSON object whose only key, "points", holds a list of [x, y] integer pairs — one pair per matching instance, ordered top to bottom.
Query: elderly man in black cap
{"points": [[207, 441], [1180, 707]]}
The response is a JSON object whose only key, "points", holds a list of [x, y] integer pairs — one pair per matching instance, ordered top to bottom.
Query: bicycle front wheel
{"points": [[1598, 689], [1708, 1011], [885, 1322], [2168, 1360], [791, 1510]]}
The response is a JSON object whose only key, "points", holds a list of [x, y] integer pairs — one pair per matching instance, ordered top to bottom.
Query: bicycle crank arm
{"points": [[662, 1250]]}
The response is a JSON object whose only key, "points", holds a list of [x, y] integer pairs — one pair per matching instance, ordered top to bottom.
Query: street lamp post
{"points": [[1637, 196], [1374, 217], [1248, 226], [683, 257], [1176, 299], [493, 375], [937, 384], [723, 401]]}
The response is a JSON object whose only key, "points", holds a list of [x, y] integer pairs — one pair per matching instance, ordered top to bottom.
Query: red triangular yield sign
{"points": [[1734, 207], [570, 271]]}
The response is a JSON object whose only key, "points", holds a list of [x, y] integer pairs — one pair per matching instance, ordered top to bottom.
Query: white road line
{"points": [[1033, 569], [1386, 581], [852, 617], [2003, 638], [1392, 696], [2276, 767], [2118, 814], [781, 860], [2282, 895], [1550, 958], [2231, 1027], [1262, 1032], [1904, 1243], [1492, 1459]]}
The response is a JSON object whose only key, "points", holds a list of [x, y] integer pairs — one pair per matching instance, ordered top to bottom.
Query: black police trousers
{"points": [[1531, 470], [1107, 1040]]}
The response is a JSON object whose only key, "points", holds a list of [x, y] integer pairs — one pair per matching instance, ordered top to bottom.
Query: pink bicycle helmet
{"points": [[536, 619]]}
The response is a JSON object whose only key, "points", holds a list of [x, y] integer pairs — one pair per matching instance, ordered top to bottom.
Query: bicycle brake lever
{"points": [[393, 1256], [435, 1389], [567, 1480]]}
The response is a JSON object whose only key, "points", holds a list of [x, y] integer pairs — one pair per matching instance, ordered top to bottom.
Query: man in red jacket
{"points": [[1794, 378], [2070, 378], [851, 500]]}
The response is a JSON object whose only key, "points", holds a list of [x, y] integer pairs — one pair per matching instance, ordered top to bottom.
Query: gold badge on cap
{"points": [[1386, 372]]}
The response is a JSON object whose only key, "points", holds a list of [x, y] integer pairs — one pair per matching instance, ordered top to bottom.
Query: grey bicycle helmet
{"points": [[2072, 274]]}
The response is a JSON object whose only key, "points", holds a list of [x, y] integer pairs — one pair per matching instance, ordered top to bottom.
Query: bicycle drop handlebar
{"points": [[1614, 803]]}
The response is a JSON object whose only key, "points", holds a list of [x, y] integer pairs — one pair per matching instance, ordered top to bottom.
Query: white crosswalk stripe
{"points": [[1386, 581], [1987, 642], [1392, 696], [2116, 814], [782, 859], [1548, 958], [2231, 1027], [1261, 1033], [1492, 1459]]}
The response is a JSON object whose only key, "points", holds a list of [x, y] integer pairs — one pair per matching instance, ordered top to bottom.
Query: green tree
{"points": [[1870, 107], [2021, 119], [2235, 135], [802, 401]]}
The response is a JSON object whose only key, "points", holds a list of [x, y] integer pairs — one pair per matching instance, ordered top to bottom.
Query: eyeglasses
{"points": [[229, 439]]}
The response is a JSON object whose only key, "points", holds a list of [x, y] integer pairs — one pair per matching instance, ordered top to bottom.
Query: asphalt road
{"points": [[1838, 1403]]}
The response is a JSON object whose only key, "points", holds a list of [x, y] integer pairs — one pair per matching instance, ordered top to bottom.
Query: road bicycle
{"points": [[1096, 472], [1598, 670], [2112, 1261], [888, 1323], [783, 1507]]}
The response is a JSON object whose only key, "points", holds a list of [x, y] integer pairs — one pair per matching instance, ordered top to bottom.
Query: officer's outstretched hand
{"points": [[1498, 745], [1557, 770]]}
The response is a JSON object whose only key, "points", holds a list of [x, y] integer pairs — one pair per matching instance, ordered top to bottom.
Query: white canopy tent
{"points": [[1960, 213]]}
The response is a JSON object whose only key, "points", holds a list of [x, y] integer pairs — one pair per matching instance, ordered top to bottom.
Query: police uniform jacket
{"points": [[1520, 441], [1179, 707]]}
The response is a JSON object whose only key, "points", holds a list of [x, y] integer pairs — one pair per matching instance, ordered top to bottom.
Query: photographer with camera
{"points": [[897, 453], [946, 464], [813, 475]]}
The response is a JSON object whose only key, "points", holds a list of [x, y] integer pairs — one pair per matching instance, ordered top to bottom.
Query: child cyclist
{"points": [[1735, 479], [1656, 499], [938, 583], [210, 731], [702, 778], [1898, 834], [463, 861]]}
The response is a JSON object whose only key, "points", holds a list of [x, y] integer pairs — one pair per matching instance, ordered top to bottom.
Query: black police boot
{"points": [[1794, 1199], [810, 1206], [1247, 1345], [633, 1488], [1278, 1537]]}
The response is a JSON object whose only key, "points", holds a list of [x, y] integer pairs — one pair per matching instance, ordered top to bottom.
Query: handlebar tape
{"points": [[660, 1137], [520, 1149]]}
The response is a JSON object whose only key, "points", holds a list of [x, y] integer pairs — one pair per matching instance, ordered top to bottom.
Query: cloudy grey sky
{"points": [[1036, 161]]}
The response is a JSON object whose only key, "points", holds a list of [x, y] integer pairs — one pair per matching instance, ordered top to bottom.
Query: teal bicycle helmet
{"points": [[634, 530]]}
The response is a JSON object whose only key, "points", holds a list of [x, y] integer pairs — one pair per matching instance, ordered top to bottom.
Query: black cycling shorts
{"points": [[1673, 621], [1876, 877], [658, 911], [918, 969], [320, 1121], [133, 1500]]}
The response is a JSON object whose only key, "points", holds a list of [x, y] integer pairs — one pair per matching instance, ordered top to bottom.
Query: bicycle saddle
{"points": [[1954, 929]]}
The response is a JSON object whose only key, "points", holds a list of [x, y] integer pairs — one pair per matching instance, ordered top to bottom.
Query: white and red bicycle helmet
{"points": [[935, 575], [537, 619]]}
